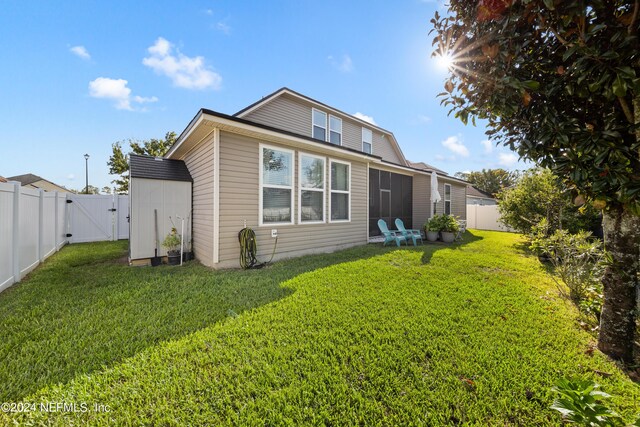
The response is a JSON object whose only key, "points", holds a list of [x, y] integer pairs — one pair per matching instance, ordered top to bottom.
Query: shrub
{"points": [[442, 223], [578, 261]]}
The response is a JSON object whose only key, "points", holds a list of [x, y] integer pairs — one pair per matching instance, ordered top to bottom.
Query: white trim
{"points": [[313, 124], [191, 127], [329, 133], [368, 142], [331, 161], [261, 185], [323, 190], [216, 195], [444, 199]]}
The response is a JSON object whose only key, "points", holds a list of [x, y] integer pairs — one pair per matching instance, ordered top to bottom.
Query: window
{"points": [[319, 125], [335, 130], [367, 140], [276, 185], [311, 189], [447, 199], [340, 200]]}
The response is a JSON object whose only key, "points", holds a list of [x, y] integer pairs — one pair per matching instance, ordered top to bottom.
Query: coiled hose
{"points": [[249, 249]]}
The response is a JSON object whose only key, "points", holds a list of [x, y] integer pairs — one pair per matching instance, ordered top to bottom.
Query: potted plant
{"points": [[432, 228], [448, 228], [172, 243]]}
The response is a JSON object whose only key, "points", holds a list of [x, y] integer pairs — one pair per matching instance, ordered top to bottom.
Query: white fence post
{"points": [[41, 225], [16, 231]]}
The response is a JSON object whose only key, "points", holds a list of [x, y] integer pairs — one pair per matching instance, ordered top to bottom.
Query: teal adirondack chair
{"points": [[408, 234], [390, 236]]}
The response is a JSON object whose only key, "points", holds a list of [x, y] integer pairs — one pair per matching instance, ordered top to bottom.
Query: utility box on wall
{"points": [[161, 185]]}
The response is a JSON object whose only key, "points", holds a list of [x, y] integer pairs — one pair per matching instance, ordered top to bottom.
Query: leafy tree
{"points": [[558, 82], [118, 161], [489, 180], [106, 189], [540, 195]]}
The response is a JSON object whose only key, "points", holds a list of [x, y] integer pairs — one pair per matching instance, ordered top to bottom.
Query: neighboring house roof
{"points": [[285, 90], [426, 167], [158, 168], [3, 179], [26, 179], [36, 181], [476, 192]]}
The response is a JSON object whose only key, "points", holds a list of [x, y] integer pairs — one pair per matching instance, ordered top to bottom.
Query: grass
{"points": [[469, 334]]}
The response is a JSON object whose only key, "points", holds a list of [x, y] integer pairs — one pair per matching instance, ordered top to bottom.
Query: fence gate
{"points": [[94, 218]]}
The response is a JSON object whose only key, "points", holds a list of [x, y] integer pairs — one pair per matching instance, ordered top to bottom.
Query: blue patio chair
{"points": [[409, 234], [390, 236]]}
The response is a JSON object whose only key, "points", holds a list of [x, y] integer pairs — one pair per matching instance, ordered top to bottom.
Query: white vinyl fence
{"points": [[485, 218], [34, 224]]}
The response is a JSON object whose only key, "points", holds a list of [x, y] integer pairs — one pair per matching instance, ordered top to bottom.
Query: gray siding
{"points": [[284, 113], [294, 115], [200, 163], [421, 197], [239, 198], [458, 199]]}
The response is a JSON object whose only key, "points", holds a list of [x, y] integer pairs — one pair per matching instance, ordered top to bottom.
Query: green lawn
{"points": [[468, 334]]}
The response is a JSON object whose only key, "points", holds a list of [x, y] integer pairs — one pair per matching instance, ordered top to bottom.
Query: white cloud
{"points": [[209, 12], [223, 27], [81, 52], [344, 65], [185, 72], [116, 90], [144, 100], [366, 118], [424, 119], [454, 144], [488, 146], [507, 159], [71, 177]]}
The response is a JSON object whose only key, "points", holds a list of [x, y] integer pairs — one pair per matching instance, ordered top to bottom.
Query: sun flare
{"points": [[444, 61]]}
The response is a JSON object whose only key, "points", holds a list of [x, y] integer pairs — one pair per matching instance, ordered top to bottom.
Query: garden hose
{"points": [[249, 249]]}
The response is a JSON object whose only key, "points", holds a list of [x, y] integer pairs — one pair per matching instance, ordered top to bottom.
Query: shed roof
{"points": [[158, 168]]}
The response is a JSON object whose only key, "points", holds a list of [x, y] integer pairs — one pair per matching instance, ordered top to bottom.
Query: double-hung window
{"points": [[319, 125], [335, 130], [367, 140], [276, 185], [311, 189], [447, 199], [340, 200]]}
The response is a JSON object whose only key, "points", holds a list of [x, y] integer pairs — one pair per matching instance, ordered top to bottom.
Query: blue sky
{"points": [[78, 76]]}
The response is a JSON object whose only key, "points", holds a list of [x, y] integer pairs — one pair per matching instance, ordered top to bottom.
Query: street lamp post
{"points": [[86, 170]]}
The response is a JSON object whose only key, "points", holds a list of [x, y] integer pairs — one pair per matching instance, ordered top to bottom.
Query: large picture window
{"points": [[319, 125], [276, 185], [311, 189], [447, 199], [340, 200]]}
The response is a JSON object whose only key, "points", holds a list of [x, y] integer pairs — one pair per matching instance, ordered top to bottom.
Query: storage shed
{"points": [[158, 184]]}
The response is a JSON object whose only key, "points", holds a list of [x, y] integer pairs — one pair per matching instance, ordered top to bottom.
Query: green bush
{"points": [[442, 223], [578, 260]]}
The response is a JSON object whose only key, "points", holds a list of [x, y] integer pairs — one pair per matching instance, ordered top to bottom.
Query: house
{"points": [[314, 176], [2, 179], [30, 180], [475, 196]]}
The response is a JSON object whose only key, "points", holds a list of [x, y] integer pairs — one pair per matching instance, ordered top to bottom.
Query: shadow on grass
{"points": [[432, 247], [85, 310]]}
